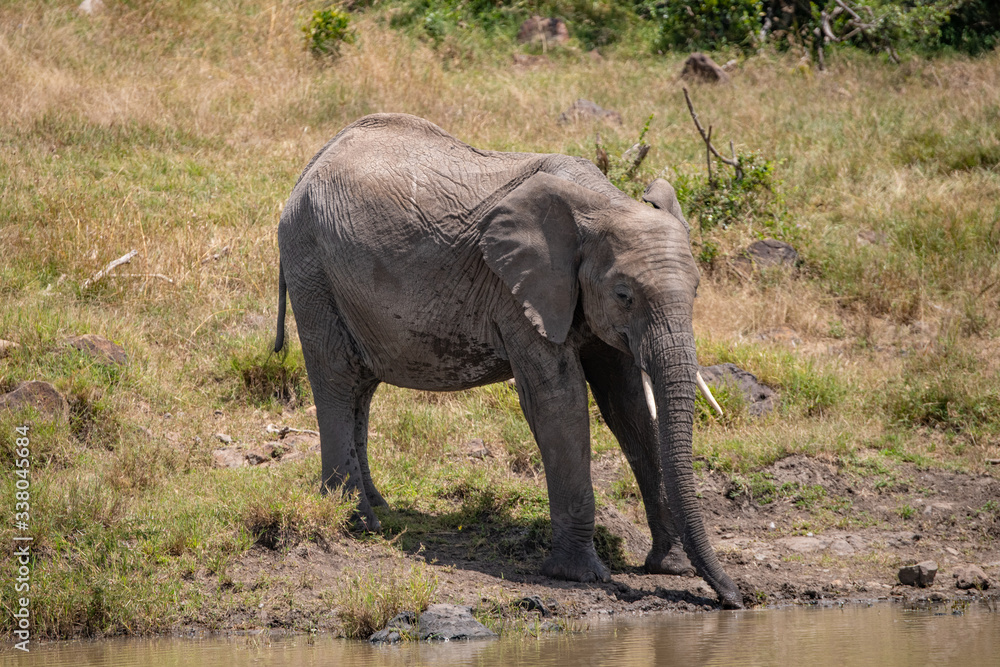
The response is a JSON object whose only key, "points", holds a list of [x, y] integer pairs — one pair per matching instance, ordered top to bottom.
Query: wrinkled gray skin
{"points": [[414, 259]]}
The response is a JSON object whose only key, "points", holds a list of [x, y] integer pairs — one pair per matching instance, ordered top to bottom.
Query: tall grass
{"points": [[178, 129]]}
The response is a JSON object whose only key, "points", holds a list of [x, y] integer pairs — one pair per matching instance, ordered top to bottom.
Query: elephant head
{"points": [[564, 249]]}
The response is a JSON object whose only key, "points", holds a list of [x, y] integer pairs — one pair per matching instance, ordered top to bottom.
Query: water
{"points": [[883, 635]]}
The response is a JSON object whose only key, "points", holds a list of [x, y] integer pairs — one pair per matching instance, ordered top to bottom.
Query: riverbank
{"points": [[165, 491]]}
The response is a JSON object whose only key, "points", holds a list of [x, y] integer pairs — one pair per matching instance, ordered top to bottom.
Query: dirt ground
{"points": [[846, 546]]}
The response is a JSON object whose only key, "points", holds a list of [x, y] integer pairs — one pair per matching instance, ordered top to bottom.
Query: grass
{"points": [[179, 133], [367, 601]]}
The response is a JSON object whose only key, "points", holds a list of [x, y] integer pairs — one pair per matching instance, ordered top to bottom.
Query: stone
{"points": [[90, 6], [549, 30], [699, 67], [585, 110], [772, 252], [8, 347], [100, 349], [41, 396], [759, 397], [311, 411], [224, 438], [476, 449], [265, 454], [228, 457], [920, 575], [970, 576], [533, 603], [449, 622], [399, 626]]}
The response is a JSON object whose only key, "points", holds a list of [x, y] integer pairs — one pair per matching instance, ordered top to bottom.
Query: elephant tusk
{"points": [[647, 388], [707, 393]]}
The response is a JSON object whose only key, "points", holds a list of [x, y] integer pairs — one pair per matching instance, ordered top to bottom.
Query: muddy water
{"points": [[886, 636]]}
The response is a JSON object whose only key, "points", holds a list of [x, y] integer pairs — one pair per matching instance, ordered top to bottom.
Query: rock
{"points": [[90, 6], [546, 30], [699, 67], [585, 110], [869, 237], [772, 252], [7, 347], [99, 348], [41, 396], [760, 398], [311, 411], [224, 438], [299, 441], [476, 449], [265, 454], [228, 457], [803, 545], [920, 575], [970, 576], [533, 603], [449, 622], [401, 625]]}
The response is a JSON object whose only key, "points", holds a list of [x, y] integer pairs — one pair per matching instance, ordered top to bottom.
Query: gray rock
{"points": [[90, 6], [548, 30], [699, 67], [585, 110], [772, 252], [98, 348], [41, 396], [760, 398], [224, 438], [476, 449], [228, 457], [920, 575], [970, 576], [533, 603], [449, 622], [401, 625]]}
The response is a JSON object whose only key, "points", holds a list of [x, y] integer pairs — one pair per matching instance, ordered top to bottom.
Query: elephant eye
{"points": [[624, 295]]}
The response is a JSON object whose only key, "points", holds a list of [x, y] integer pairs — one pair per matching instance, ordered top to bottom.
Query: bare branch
{"points": [[640, 151], [735, 164], [124, 259]]}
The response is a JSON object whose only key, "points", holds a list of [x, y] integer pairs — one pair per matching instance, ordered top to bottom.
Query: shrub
{"points": [[708, 24], [326, 31], [366, 602]]}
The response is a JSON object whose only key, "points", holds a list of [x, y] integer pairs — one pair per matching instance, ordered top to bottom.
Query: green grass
{"points": [[179, 134]]}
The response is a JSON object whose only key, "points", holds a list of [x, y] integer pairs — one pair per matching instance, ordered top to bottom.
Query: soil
{"points": [[828, 535]]}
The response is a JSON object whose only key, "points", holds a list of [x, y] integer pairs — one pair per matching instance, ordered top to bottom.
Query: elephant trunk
{"points": [[672, 365]]}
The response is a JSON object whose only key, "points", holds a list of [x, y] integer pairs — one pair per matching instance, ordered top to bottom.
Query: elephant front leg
{"points": [[617, 387], [553, 395]]}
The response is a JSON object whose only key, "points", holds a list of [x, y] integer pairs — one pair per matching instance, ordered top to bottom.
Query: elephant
{"points": [[414, 259]]}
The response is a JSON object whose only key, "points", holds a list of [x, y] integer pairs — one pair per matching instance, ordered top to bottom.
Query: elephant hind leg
{"points": [[362, 406]]}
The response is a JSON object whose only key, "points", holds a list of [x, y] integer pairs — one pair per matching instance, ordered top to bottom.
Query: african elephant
{"points": [[414, 259]]}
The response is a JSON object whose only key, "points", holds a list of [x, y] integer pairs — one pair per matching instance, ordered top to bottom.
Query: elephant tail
{"points": [[279, 338]]}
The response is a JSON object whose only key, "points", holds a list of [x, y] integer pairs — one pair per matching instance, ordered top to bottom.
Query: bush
{"points": [[709, 24], [326, 31]]}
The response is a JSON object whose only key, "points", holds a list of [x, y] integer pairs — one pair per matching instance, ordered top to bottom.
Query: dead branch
{"points": [[707, 138], [640, 151], [603, 161], [124, 259], [282, 431]]}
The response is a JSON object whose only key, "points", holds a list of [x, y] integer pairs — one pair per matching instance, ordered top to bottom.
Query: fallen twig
{"points": [[735, 164], [124, 259], [282, 431]]}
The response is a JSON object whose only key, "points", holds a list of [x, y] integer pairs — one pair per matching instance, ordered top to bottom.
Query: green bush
{"points": [[708, 24], [326, 31]]}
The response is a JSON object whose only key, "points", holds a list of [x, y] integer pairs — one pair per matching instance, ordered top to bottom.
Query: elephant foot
{"points": [[375, 498], [365, 522], [674, 562], [585, 567]]}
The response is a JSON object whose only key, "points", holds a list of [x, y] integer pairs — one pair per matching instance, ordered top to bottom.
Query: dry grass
{"points": [[177, 129]]}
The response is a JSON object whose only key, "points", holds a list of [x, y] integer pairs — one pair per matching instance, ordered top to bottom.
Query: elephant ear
{"points": [[662, 195], [531, 240]]}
